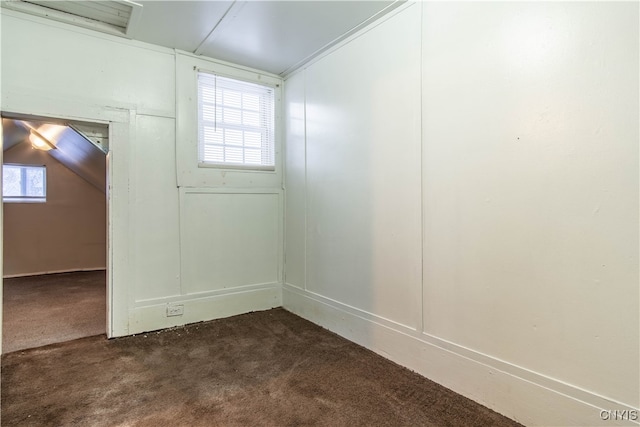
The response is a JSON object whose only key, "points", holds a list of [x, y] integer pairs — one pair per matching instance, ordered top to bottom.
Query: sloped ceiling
{"points": [[12, 134], [73, 149]]}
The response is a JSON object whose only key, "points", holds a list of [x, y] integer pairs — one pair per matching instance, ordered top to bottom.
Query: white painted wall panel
{"points": [[61, 62], [51, 69], [363, 172], [529, 183], [531, 187], [295, 194], [155, 212], [229, 240]]}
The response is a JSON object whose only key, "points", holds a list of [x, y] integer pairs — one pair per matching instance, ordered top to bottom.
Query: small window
{"points": [[235, 123], [24, 184]]}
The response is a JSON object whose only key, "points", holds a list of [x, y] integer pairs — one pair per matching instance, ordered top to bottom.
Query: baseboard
{"points": [[43, 273], [199, 308], [527, 397]]}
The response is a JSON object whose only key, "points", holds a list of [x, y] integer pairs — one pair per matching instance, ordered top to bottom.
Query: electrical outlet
{"points": [[175, 310]]}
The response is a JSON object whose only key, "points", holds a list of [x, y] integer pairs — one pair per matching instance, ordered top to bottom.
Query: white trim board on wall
{"points": [[152, 315], [506, 388]]}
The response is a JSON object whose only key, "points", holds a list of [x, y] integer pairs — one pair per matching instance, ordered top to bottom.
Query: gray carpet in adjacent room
{"points": [[52, 308], [268, 368]]}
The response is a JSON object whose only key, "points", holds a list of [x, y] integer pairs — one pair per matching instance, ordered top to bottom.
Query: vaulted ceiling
{"points": [[273, 36], [80, 147]]}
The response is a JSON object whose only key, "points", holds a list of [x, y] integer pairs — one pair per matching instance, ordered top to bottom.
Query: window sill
{"points": [[238, 167], [23, 200]]}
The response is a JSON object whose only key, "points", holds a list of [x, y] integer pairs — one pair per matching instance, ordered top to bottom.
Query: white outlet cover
{"points": [[175, 310]]}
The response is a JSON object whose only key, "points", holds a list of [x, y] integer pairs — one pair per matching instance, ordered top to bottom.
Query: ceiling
{"points": [[273, 36], [79, 146]]}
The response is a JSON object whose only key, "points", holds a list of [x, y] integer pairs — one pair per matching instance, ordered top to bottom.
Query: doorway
{"points": [[55, 235]]}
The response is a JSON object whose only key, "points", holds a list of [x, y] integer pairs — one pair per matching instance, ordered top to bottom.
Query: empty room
{"points": [[320, 213]]}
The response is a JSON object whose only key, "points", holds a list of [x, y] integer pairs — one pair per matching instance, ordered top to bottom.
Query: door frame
{"points": [[121, 123]]}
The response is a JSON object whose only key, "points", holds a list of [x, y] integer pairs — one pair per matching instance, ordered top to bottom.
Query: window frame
{"points": [[273, 130], [188, 173], [24, 198]]}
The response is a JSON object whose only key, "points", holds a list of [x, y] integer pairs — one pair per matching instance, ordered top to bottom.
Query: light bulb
{"points": [[39, 142]]}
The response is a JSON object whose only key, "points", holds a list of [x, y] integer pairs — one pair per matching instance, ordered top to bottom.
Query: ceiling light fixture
{"points": [[40, 142]]}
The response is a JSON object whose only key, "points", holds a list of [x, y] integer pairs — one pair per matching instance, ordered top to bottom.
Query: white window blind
{"points": [[235, 123], [22, 183]]}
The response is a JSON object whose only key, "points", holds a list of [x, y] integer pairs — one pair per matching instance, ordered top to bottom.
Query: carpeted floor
{"points": [[52, 308], [268, 368]]}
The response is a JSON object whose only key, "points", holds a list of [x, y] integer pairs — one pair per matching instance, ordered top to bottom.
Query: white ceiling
{"points": [[273, 36]]}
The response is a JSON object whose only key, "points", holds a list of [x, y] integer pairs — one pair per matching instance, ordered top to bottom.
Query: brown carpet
{"points": [[52, 308], [268, 368]]}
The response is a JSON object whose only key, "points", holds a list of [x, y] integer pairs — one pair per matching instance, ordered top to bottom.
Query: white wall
{"points": [[54, 70], [362, 176], [462, 197], [67, 233]]}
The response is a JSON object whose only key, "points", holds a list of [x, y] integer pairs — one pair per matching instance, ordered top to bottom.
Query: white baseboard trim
{"points": [[43, 273], [202, 308], [525, 396]]}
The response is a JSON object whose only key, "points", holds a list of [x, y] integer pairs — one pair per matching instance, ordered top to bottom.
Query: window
{"points": [[235, 123], [22, 183]]}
